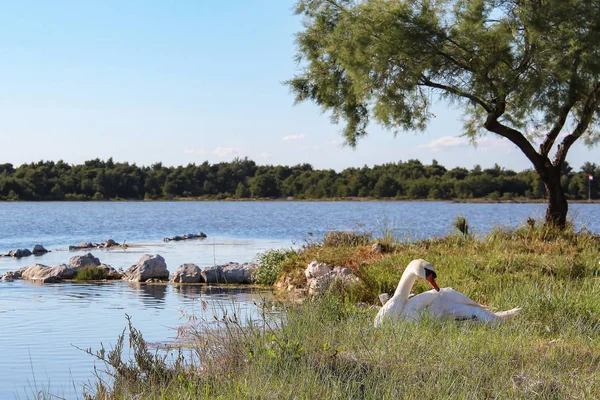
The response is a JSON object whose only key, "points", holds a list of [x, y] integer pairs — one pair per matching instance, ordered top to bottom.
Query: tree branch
{"points": [[336, 5], [456, 62], [451, 89], [590, 107], [564, 110], [563, 113], [516, 137]]}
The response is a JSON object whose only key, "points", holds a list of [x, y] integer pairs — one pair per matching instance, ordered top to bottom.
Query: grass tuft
{"points": [[461, 223], [344, 239], [90, 273]]}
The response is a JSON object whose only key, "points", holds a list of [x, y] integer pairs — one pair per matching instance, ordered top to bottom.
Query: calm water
{"points": [[41, 324]]}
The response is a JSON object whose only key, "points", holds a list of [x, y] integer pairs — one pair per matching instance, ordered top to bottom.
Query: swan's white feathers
{"points": [[445, 304]]}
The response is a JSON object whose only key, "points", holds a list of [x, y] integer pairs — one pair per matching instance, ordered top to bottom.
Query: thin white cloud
{"points": [[294, 137], [445, 142], [453, 142], [493, 143], [194, 151], [226, 151], [263, 155]]}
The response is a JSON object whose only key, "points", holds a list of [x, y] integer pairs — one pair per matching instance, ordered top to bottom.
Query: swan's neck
{"points": [[406, 283]]}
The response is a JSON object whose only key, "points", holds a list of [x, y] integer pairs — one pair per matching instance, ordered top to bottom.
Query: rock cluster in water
{"points": [[187, 236], [90, 245], [38, 250], [149, 268], [232, 273], [45, 274]]}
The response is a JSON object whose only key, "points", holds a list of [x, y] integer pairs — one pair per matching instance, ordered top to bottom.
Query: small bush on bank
{"points": [[461, 223], [339, 239], [269, 265], [90, 274]]}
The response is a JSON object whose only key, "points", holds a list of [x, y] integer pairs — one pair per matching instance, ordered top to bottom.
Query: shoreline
{"points": [[328, 200], [320, 342]]}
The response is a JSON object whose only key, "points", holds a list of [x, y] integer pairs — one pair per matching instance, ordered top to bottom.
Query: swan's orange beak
{"points": [[431, 279]]}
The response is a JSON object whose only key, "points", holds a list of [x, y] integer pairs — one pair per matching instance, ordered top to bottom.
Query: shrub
{"points": [[462, 225], [338, 239], [269, 265], [90, 273]]}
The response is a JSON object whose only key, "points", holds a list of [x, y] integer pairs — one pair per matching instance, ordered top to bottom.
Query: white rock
{"points": [[377, 248], [84, 261], [148, 267], [316, 270], [342, 271], [111, 273], [188, 273], [237, 273], [45, 274], [320, 285], [383, 298]]}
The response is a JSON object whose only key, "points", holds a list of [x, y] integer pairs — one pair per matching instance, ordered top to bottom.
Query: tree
{"points": [[526, 70], [264, 185], [242, 191]]}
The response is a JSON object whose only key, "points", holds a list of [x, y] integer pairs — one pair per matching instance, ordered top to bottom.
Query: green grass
{"points": [[90, 273], [329, 349]]}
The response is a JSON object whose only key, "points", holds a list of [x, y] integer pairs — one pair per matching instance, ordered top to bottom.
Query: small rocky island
{"points": [[187, 236], [104, 245], [38, 250], [149, 268]]}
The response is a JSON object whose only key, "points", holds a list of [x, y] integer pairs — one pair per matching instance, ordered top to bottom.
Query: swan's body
{"points": [[444, 303]]}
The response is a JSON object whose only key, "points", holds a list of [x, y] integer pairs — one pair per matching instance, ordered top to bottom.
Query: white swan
{"points": [[443, 303]]}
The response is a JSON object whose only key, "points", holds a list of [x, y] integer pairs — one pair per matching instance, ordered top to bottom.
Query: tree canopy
{"points": [[527, 70], [244, 179]]}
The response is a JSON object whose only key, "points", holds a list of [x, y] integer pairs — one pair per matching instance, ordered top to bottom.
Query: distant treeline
{"points": [[242, 179]]}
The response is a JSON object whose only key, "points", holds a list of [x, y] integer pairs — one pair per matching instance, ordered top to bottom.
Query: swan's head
{"points": [[424, 270]]}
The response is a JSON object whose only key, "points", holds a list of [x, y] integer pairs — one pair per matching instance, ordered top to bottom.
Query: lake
{"points": [[40, 325]]}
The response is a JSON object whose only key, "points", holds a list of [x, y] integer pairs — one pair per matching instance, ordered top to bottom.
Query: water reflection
{"points": [[189, 292], [238, 293], [152, 295], [91, 314]]}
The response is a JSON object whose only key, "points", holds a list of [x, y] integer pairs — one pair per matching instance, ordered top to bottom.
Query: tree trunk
{"points": [[556, 213]]}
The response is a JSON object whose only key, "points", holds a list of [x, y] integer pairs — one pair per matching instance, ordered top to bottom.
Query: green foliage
{"points": [[383, 60], [523, 70], [106, 180], [12, 196], [461, 223], [346, 238], [269, 265], [90, 273]]}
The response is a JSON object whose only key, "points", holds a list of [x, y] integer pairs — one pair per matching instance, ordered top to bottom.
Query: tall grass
{"points": [[462, 225], [90, 273], [329, 349]]}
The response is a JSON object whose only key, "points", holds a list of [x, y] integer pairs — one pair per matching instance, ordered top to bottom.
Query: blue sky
{"points": [[188, 81]]}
